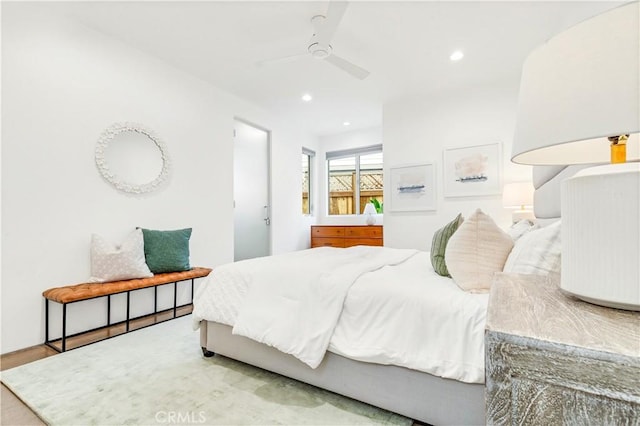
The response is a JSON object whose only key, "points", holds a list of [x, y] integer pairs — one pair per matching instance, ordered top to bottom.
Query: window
{"points": [[307, 156], [355, 178]]}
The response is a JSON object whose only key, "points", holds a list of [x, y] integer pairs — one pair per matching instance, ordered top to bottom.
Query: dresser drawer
{"points": [[327, 231], [364, 232], [346, 236], [327, 242], [348, 242]]}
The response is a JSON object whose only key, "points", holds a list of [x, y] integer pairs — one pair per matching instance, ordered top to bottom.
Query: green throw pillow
{"points": [[439, 244], [167, 251]]}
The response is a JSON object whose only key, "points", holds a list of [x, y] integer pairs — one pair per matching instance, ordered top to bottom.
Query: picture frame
{"points": [[472, 171], [413, 187]]}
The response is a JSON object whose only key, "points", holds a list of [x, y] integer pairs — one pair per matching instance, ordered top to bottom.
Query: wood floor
{"points": [[13, 412]]}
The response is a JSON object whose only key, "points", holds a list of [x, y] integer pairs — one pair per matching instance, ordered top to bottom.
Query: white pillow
{"points": [[520, 228], [476, 251], [537, 252], [111, 262]]}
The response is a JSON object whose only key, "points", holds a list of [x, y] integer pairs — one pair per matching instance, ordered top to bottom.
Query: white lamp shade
{"points": [[579, 88], [517, 195]]}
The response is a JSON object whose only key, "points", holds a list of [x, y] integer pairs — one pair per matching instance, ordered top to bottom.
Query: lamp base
{"points": [[518, 215], [601, 235], [607, 303]]}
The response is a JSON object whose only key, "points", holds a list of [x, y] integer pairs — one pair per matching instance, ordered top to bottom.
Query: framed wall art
{"points": [[472, 171], [413, 187]]}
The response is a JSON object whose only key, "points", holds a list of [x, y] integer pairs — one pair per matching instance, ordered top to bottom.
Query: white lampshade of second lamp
{"points": [[577, 89], [519, 195]]}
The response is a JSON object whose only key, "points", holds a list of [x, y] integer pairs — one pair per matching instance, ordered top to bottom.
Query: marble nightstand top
{"points": [[534, 307]]}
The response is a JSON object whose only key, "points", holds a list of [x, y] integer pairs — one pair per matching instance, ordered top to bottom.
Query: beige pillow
{"points": [[477, 250]]}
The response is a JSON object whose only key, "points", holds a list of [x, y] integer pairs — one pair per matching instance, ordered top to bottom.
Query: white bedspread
{"points": [[293, 302], [367, 303], [410, 316]]}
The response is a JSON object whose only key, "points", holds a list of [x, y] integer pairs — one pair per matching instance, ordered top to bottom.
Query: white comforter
{"points": [[371, 304]]}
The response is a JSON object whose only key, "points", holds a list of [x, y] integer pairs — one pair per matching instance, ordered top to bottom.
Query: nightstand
{"points": [[553, 359]]}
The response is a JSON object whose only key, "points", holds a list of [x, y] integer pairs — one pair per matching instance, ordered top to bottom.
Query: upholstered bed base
{"points": [[414, 394]]}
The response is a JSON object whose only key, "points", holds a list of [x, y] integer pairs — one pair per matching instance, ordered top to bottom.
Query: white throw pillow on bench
{"points": [[112, 262]]}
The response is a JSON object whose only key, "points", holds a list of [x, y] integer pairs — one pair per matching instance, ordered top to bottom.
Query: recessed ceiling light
{"points": [[456, 56], [306, 97], [346, 123]]}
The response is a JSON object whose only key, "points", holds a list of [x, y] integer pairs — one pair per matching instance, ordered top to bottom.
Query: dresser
{"points": [[346, 236], [552, 359]]}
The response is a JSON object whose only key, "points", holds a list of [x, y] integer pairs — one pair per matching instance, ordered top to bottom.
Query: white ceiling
{"points": [[405, 46]]}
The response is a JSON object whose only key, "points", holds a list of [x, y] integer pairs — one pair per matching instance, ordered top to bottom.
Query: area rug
{"points": [[158, 375]]}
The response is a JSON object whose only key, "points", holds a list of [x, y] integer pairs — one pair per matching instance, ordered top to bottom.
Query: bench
{"points": [[87, 291]]}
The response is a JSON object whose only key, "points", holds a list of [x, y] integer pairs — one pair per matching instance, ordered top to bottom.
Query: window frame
{"points": [[346, 153], [311, 154]]}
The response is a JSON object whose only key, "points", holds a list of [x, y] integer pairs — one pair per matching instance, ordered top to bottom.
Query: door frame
{"points": [[269, 194]]}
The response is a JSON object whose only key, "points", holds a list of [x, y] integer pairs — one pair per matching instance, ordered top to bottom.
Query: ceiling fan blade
{"points": [[329, 25], [281, 59], [343, 64]]}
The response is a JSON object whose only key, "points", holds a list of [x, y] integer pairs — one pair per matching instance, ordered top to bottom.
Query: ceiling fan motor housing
{"points": [[319, 50]]}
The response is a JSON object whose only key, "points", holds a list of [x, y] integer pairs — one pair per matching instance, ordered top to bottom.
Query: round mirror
{"points": [[132, 158]]}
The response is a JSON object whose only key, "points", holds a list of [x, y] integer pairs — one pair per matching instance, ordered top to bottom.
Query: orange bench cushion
{"points": [[74, 293]]}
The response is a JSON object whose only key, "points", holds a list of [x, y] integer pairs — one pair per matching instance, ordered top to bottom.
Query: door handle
{"points": [[267, 219]]}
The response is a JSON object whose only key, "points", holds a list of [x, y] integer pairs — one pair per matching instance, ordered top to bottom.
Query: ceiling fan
{"points": [[324, 27]]}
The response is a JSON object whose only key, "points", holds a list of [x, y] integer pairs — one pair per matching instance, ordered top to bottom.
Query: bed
{"points": [[430, 368]]}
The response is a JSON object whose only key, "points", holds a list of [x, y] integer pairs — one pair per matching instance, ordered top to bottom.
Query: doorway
{"points": [[252, 208]]}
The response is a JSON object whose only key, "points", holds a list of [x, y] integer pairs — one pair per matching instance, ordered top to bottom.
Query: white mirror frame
{"points": [[103, 142]]}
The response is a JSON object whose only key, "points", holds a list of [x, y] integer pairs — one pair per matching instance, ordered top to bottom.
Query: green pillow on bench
{"points": [[167, 251]]}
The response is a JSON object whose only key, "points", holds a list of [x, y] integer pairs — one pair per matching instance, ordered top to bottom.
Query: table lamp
{"points": [[579, 104], [519, 195]]}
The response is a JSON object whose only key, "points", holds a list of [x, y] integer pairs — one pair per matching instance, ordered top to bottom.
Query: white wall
{"points": [[62, 84], [418, 130], [347, 140], [290, 228]]}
